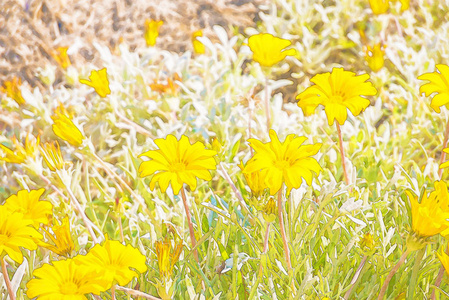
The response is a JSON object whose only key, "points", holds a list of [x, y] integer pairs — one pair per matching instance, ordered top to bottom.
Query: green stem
{"points": [[267, 104], [342, 152], [189, 221], [282, 229], [415, 272], [390, 275], [356, 277], [6, 278]]}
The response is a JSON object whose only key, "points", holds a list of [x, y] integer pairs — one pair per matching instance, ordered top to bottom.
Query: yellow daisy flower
{"points": [[379, 6], [152, 31], [198, 47], [268, 50], [374, 56], [61, 57], [99, 81], [439, 83], [12, 90], [337, 91], [64, 128], [21, 153], [52, 156], [178, 162], [286, 162], [255, 180], [29, 205], [430, 216], [15, 233], [62, 239], [167, 257], [444, 258], [116, 260], [66, 279]]}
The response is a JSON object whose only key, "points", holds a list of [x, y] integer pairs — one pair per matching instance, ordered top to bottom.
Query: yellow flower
{"points": [[405, 4], [379, 6], [152, 31], [197, 45], [268, 50], [61, 57], [375, 57], [99, 81], [439, 83], [12, 90], [337, 91], [64, 128], [21, 153], [52, 156], [177, 162], [286, 162], [446, 164], [255, 180], [28, 204], [430, 216], [15, 233], [62, 239], [367, 241], [167, 257], [444, 258], [116, 260], [65, 279]]}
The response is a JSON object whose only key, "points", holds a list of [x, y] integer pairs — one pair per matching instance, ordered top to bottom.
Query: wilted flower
{"points": [[379, 6], [152, 31], [197, 45], [268, 50], [61, 57], [375, 57], [99, 81], [439, 83], [171, 86], [12, 90], [337, 91], [64, 128], [20, 153], [52, 155], [177, 162], [288, 162], [255, 180], [29, 205], [269, 210], [430, 216], [16, 233], [62, 239], [367, 241], [167, 257], [116, 260], [65, 279]]}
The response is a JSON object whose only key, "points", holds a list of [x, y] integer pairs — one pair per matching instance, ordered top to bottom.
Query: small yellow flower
{"points": [[405, 4], [379, 6], [152, 31], [197, 45], [268, 50], [61, 57], [375, 57], [99, 81], [439, 83], [12, 90], [337, 92], [64, 128], [21, 153], [52, 156], [177, 162], [288, 162], [255, 180], [29, 205], [270, 210], [430, 216], [16, 233], [62, 239], [367, 241], [167, 257], [444, 258], [116, 260], [65, 279]]}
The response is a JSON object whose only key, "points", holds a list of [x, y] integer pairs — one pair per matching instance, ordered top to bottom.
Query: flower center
{"points": [[337, 98], [281, 164], [177, 167], [69, 288]]}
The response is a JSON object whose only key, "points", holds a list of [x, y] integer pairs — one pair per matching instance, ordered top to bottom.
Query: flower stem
{"points": [[267, 105], [342, 152], [443, 154], [189, 221], [282, 228], [415, 271], [390, 275], [356, 277], [439, 277], [6, 278], [113, 292], [136, 293]]}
